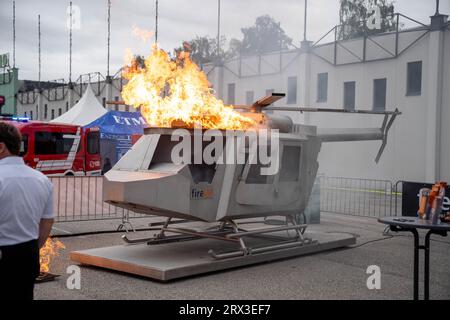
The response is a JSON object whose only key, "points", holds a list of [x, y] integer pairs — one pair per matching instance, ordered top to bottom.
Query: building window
{"points": [[414, 79], [322, 87], [292, 90], [231, 93], [379, 94], [349, 95], [249, 97], [116, 98], [67, 106], [127, 108], [45, 111], [59, 112], [53, 114]]}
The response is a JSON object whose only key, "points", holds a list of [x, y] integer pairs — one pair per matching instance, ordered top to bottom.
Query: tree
{"points": [[354, 15], [266, 35], [202, 49]]}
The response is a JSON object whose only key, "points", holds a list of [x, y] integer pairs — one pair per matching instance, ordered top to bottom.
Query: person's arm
{"points": [[46, 223], [45, 227]]}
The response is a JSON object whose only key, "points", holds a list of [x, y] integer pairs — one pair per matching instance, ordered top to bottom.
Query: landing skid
{"points": [[126, 224], [229, 231]]}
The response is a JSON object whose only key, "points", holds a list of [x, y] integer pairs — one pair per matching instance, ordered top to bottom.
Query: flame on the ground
{"points": [[169, 92], [48, 252]]}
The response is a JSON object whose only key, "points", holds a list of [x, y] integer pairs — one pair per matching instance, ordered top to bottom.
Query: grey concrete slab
{"points": [[183, 259]]}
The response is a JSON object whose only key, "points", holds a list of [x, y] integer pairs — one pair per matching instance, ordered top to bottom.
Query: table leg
{"points": [[416, 256], [427, 261], [427, 266]]}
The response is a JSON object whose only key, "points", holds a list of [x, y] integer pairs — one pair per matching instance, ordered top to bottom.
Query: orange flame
{"points": [[142, 34], [170, 92], [48, 252]]}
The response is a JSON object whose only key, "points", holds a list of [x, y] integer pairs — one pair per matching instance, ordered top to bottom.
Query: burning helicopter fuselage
{"points": [[147, 180]]}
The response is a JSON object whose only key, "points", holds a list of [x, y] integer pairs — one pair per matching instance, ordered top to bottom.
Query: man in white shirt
{"points": [[26, 217]]}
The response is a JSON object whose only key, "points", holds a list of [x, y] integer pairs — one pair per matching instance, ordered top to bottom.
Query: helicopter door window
{"points": [[163, 151], [290, 169], [204, 172], [254, 176]]}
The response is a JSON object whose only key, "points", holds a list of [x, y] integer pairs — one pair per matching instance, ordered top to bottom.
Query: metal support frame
{"points": [[156, 21], [14, 34], [396, 34], [108, 39], [70, 41], [337, 42], [335, 46], [364, 47], [350, 51], [39, 54], [283, 65], [90, 79], [57, 86], [230, 231], [417, 248]]}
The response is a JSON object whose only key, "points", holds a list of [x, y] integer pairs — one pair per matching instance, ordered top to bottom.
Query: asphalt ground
{"points": [[336, 274]]}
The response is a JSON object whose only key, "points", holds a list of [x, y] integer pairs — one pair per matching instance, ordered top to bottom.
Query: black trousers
{"points": [[19, 267]]}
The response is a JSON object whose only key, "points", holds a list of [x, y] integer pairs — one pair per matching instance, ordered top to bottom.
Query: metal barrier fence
{"points": [[359, 197], [80, 199], [397, 205]]}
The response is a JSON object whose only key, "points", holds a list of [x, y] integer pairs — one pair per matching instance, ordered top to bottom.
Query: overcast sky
{"points": [[178, 20]]}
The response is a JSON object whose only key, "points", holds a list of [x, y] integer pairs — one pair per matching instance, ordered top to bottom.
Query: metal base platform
{"points": [[170, 261]]}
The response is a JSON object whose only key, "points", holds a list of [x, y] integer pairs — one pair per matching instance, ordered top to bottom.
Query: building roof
{"points": [[30, 85]]}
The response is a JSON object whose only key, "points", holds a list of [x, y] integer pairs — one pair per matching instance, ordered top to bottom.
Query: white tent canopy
{"points": [[84, 112]]}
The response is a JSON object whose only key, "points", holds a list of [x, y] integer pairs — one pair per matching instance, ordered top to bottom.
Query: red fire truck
{"points": [[59, 149]]}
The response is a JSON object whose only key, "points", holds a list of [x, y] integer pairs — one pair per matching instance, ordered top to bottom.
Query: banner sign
{"points": [[4, 60], [120, 123], [410, 198]]}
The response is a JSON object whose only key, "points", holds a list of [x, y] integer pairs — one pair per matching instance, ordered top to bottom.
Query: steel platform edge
{"points": [[165, 262]]}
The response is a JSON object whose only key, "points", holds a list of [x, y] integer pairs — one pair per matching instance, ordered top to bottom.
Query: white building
{"points": [[408, 70], [56, 99]]}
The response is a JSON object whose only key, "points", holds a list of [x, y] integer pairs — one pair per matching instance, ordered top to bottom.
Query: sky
{"points": [[179, 20]]}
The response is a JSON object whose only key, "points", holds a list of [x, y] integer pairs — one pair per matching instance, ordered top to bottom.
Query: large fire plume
{"points": [[171, 92], [48, 252]]}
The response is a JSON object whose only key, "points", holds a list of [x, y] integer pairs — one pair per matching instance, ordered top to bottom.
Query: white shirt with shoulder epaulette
{"points": [[26, 197]]}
